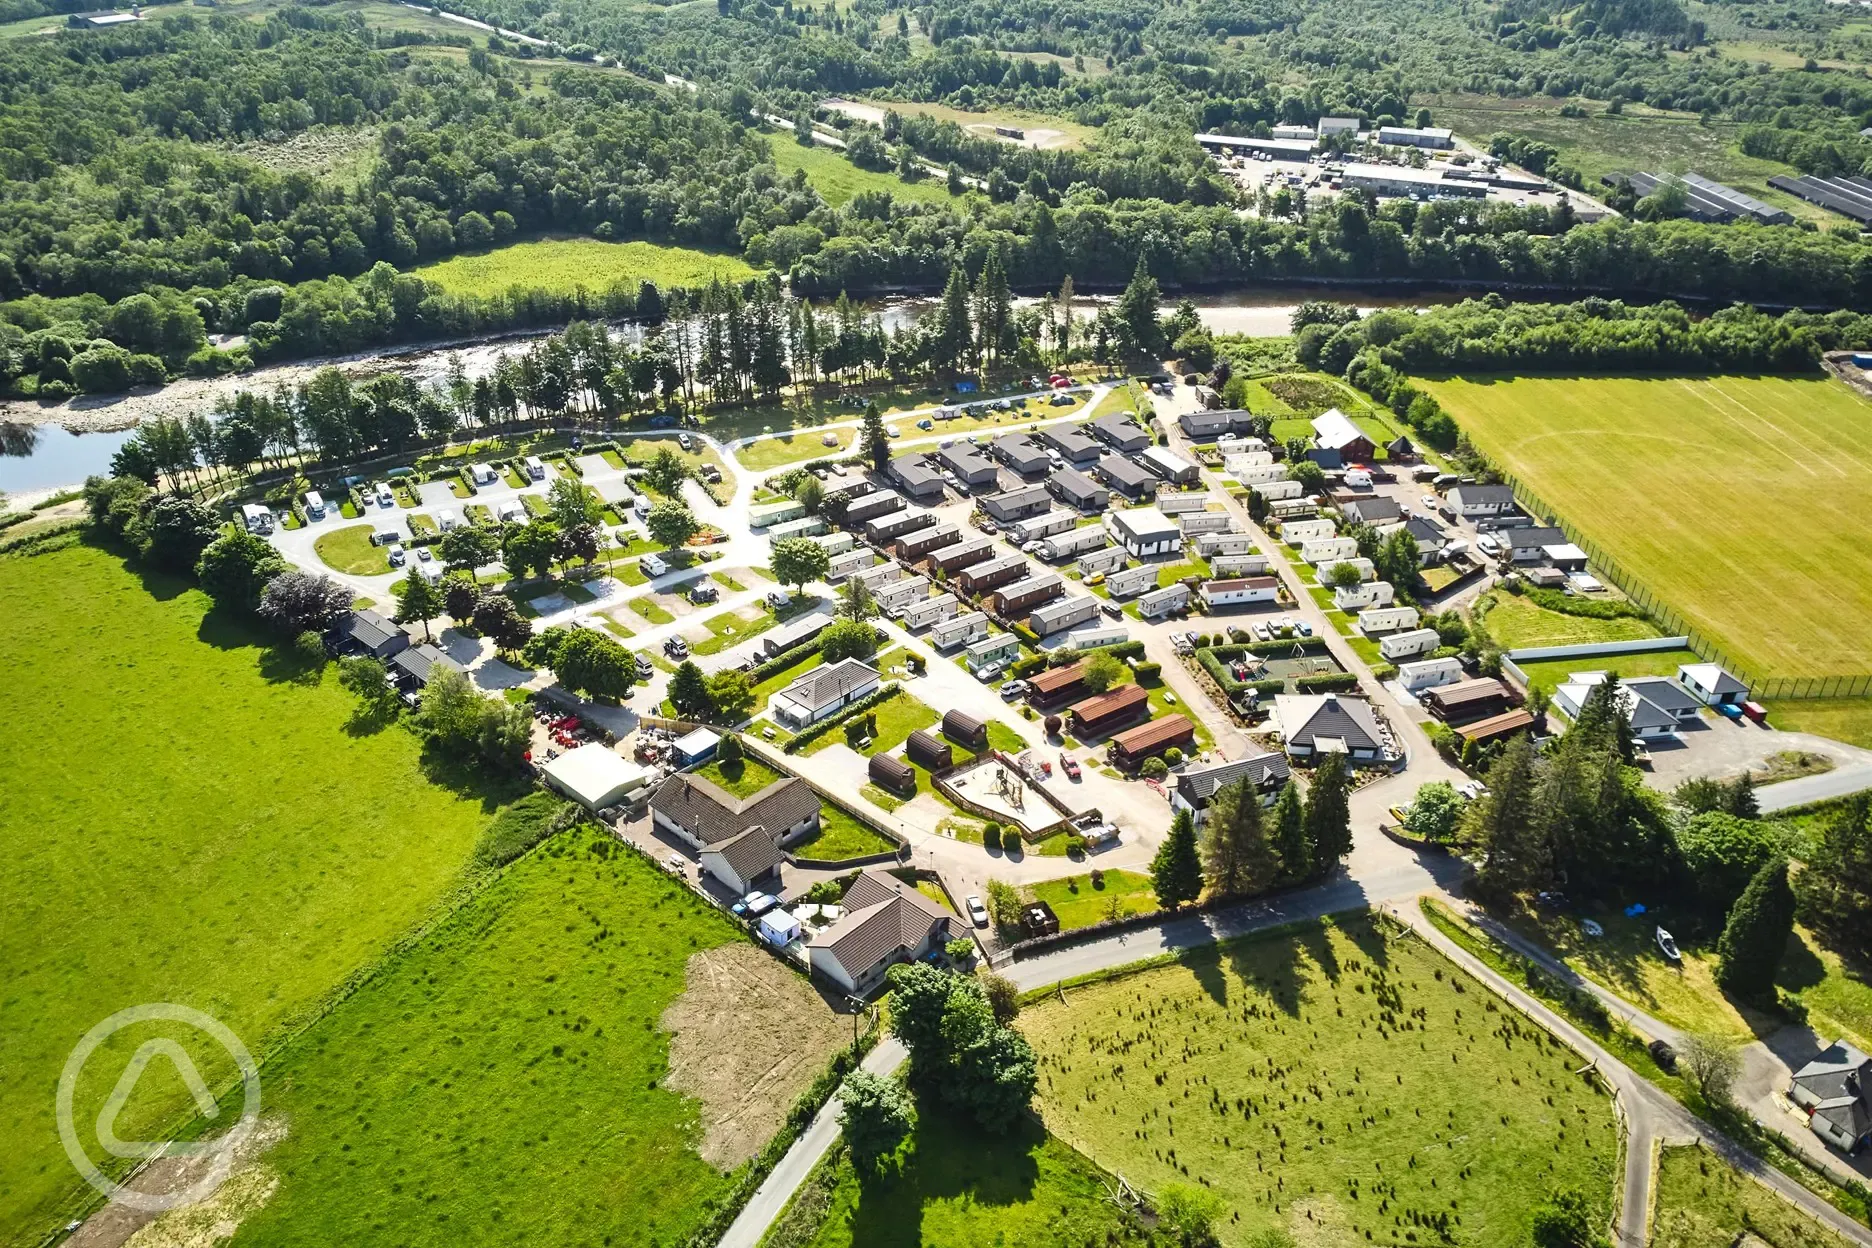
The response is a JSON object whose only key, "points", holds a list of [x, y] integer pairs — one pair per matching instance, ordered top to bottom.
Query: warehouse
{"points": [[1407, 136], [1275, 149], [1403, 182], [1705, 200]]}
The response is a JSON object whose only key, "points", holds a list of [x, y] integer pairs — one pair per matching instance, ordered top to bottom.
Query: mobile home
{"points": [[535, 468], [1278, 492], [1179, 504], [871, 506], [775, 513], [1198, 522], [805, 526], [1043, 526], [1296, 532], [1074, 542], [835, 543], [1209, 545], [1325, 551], [1107, 560], [850, 563], [1239, 565], [1362, 565], [881, 575], [1131, 582], [1368, 594], [1024, 595], [1221, 595], [896, 597], [1161, 602], [931, 611], [1058, 616], [1375, 620], [960, 630], [1409, 645], [1000, 648], [1430, 673]]}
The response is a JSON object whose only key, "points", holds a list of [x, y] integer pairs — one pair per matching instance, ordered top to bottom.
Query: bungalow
{"points": [[1208, 426], [1120, 430], [1333, 430], [1075, 447], [1021, 453], [1171, 467], [973, 469], [917, 476], [1127, 477], [1075, 489], [1478, 502], [1012, 505], [871, 506], [1372, 511], [1144, 532], [1297, 532], [1431, 538], [1526, 545], [966, 553], [982, 578], [1131, 582], [1026, 594], [1365, 594], [1223, 595], [1166, 601], [1375, 620], [962, 630], [371, 633], [796, 633], [1410, 644], [991, 651], [415, 666], [1430, 673], [1711, 684], [1056, 685], [822, 692], [1466, 701], [1656, 706], [1104, 713], [1328, 723], [965, 730], [1132, 746], [1197, 787], [702, 814], [745, 861], [885, 922], [1835, 1089]]}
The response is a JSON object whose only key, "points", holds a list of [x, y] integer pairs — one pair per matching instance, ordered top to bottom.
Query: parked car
{"points": [[926, 423], [890, 431], [685, 441], [838, 470], [711, 474], [1431, 502], [1488, 544], [423, 554], [398, 557], [1097, 578], [703, 593], [1111, 609], [1306, 629], [1261, 631], [676, 648], [645, 669], [991, 672], [1014, 690], [1070, 766], [676, 864], [754, 905], [978, 913]]}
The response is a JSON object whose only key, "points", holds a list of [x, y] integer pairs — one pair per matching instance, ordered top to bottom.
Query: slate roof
{"points": [[1121, 431], [1072, 444], [1019, 452], [915, 473], [1126, 474], [1073, 485], [1473, 495], [1371, 510], [1519, 539], [370, 629], [420, 663], [825, 685], [1664, 692], [1307, 718], [1261, 770], [712, 814], [751, 853], [882, 915], [1840, 1082]]}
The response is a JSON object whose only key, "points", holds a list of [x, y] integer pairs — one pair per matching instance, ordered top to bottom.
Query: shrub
{"points": [[311, 650], [1149, 669], [1053, 724], [1173, 756], [1154, 769], [991, 836], [1010, 839], [1098, 878]]}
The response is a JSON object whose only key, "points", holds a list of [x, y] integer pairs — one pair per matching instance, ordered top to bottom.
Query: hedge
{"points": [[1608, 609], [780, 662], [1326, 683], [813, 732]]}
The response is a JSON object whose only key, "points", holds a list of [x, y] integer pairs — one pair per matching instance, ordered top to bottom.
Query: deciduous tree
{"points": [[671, 524], [797, 560], [235, 569], [295, 601], [499, 620], [689, 693], [877, 1116]]}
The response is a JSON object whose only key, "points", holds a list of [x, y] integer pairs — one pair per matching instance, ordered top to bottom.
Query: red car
{"points": [[1070, 767]]}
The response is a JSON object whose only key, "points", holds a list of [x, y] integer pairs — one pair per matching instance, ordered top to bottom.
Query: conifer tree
{"points": [[952, 341], [875, 440], [1329, 815], [1290, 835], [1237, 855], [1515, 855], [1176, 872], [1756, 934]]}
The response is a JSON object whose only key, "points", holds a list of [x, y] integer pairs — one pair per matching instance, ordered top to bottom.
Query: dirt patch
{"points": [[747, 1037], [247, 1188]]}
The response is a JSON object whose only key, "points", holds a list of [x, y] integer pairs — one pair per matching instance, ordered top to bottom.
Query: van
{"points": [[535, 469], [384, 497], [315, 506], [641, 506], [446, 521], [386, 537], [653, 565], [778, 598]]}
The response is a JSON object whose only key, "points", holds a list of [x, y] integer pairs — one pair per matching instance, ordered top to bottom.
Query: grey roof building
{"points": [[1119, 430], [1077, 447], [1021, 453], [969, 465], [915, 474], [1127, 477], [1075, 489], [1028, 500], [1373, 511], [373, 633], [418, 664], [1196, 787], [705, 814], [885, 922], [1835, 1089]]}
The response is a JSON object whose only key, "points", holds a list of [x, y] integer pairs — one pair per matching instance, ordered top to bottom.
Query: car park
{"points": [[1260, 630]]}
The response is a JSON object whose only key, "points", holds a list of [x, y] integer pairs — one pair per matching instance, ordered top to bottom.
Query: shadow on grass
{"points": [[158, 583], [472, 778], [949, 1158]]}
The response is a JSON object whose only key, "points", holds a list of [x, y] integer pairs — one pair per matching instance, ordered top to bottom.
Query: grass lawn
{"points": [[838, 181], [567, 264], [1130, 397], [792, 448], [1696, 536], [349, 550], [1170, 573], [648, 608], [1515, 622], [730, 627], [1550, 674], [781, 679], [897, 718], [1843, 719], [1003, 738], [743, 778], [190, 816], [841, 836], [1080, 903], [1296, 1074], [428, 1109], [957, 1186], [1700, 1201]]}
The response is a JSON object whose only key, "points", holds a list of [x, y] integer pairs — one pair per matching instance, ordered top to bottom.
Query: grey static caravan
{"points": [[1261, 474], [1180, 504], [871, 506], [775, 513], [1197, 522], [805, 526], [1043, 526], [886, 528], [1074, 542], [835, 543], [1209, 545], [1107, 560], [850, 563], [1239, 565], [1364, 567], [881, 576], [1132, 581], [896, 597], [1165, 601], [931, 611], [1058, 616], [961, 630], [1093, 638], [1409, 645]]}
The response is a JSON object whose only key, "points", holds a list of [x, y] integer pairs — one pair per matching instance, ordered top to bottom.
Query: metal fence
{"points": [[1760, 685]]}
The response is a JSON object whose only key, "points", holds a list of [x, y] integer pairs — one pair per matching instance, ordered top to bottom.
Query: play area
{"points": [[996, 787]]}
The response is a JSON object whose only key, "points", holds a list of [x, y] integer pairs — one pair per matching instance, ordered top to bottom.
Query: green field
{"points": [[838, 181], [566, 264], [793, 448], [1733, 499], [350, 550], [1515, 622], [1550, 674], [897, 718], [1843, 719], [187, 819], [1078, 902], [1327, 1082], [1701, 1202]]}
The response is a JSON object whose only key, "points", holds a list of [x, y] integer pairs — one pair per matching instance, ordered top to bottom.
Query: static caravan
{"points": [[1239, 444], [1244, 461], [1171, 467], [535, 468], [1260, 474], [1278, 492], [1017, 504], [1181, 504], [315, 505], [871, 506], [775, 513], [257, 518], [1196, 522], [805, 526], [1043, 526], [887, 528], [1295, 532], [1074, 542], [835, 543], [1209, 545], [913, 546], [1325, 551], [966, 553], [1107, 560], [850, 563], [1239, 565], [1365, 569], [880, 576], [981, 578], [1131, 581], [1369, 594], [1025, 595], [1221, 595], [896, 597], [1166, 601], [931, 611], [1058, 616], [1375, 620], [960, 630], [1093, 638], [1409, 645], [1001, 648], [1430, 673]]}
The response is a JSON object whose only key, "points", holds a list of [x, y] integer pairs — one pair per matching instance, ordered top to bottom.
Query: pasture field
{"points": [[838, 181], [568, 264], [1734, 499], [1516, 622], [1549, 674], [1843, 719], [187, 819], [507, 1080], [1327, 1081], [1702, 1201]]}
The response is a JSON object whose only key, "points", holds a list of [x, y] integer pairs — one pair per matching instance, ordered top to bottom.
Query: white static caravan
{"points": [[1239, 444], [1245, 461], [1260, 474], [1278, 492], [1181, 504], [1287, 507], [775, 513], [1199, 522], [805, 526], [1042, 526], [1294, 532], [1076, 542], [835, 543], [1209, 545], [1325, 551], [1107, 560], [849, 564], [1238, 565], [1365, 569], [880, 576], [1132, 581], [1241, 592], [1369, 594], [896, 597], [1162, 602], [931, 611], [1063, 613], [1375, 620], [961, 630], [1093, 638], [1409, 645], [1000, 648], [1430, 673]]}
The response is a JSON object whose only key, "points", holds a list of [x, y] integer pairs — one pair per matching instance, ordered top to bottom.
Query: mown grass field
{"points": [[838, 181], [567, 264], [1735, 499], [350, 550], [1515, 622], [1550, 674], [1843, 719], [186, 820], [1078, 902], [501, 1081], [1327, 1082], [1702, 1203]]}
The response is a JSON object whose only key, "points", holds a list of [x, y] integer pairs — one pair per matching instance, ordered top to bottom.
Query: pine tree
{"points": [[994, 306], [1137, 312], [1063, 334], [952, 345], [875, 440], [418, 598], [1603, 719], [1328, 817], [1290, 835], [1515, 854], [1237, 856], [1176, 871], [1756, 935]]}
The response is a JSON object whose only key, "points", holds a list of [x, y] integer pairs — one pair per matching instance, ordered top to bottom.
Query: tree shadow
{"points": [[161, 585], [471, 778], [1363, 931], [1801, 967], [950, 1159]]}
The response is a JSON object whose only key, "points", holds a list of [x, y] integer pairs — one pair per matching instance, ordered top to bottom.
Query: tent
{"points": [[779, 928]]}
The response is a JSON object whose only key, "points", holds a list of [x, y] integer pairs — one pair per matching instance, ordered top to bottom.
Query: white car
{"points": [[890, 431], [1431, 501], [1488, 544], [397, 557], [1260, 630], [978, 913]]}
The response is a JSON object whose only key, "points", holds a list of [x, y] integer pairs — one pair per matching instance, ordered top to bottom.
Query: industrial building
{"points": [[1407, 136], [1273, 149], [1401, 181], [1848, 196], [1705, 200]]}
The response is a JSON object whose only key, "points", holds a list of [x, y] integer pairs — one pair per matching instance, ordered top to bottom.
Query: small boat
{"points": [[1668, 943]]}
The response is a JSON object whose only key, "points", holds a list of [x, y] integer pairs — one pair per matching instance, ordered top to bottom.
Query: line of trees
{"points": [[1246, 848]]}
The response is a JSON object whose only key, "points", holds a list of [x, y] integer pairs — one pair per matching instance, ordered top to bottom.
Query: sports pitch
{"points": [[1740, 501]]}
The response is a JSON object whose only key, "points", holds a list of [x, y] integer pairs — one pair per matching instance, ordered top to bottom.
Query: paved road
{"points": [[1840, 782]]}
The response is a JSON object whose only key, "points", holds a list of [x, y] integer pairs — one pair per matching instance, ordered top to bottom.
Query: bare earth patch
{"points": [[747, 1037], [248, 1186]]}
